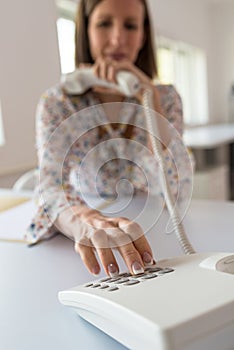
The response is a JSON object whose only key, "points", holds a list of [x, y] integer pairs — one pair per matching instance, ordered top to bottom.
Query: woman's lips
{"points": [[117, 56]]}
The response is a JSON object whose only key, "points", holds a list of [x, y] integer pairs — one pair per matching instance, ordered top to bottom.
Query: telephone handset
{"points": [[81, 80]]}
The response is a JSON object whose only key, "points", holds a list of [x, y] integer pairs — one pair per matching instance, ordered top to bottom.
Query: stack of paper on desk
{"points": [[7, 202], [14, 221]]}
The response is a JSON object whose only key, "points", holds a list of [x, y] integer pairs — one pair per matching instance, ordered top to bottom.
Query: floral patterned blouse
{"points": [[80, 152]]}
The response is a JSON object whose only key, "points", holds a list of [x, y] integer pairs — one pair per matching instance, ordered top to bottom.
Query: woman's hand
{"points": [[107, 69], [93, 231]]}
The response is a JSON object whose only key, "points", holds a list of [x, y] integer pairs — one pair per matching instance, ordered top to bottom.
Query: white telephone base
{"points": [[189, 306]]}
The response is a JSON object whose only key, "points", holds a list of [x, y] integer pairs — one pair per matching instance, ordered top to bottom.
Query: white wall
{"points": [[184, 20], [208, 24], [221, 62], [29, 63]]}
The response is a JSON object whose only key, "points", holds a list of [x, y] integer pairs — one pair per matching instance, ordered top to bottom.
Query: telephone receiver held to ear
{"points": [[79, 81]]}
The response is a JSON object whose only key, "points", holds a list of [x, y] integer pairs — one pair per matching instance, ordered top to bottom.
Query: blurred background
{"points": [[195, 52]]}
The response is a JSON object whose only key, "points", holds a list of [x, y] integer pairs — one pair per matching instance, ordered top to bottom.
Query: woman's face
{"points": [[116, 30]]}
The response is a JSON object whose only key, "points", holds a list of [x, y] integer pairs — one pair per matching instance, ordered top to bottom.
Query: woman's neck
{"points": [[111, 109]]}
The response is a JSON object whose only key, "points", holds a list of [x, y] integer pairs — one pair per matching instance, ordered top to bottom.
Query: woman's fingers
{"points": [[106, 70], [103, 71], [120, 233], [113, 237], [138, 238], [120, 239], [100, 241], [143, 247], [88, 257], [132, 258]]}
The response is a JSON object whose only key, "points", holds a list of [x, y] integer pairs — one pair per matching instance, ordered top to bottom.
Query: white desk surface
{"points": [[209, 136], [31, 316]]}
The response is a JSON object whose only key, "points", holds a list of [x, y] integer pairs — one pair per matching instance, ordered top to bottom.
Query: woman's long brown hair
{"points": [[146, 59]]}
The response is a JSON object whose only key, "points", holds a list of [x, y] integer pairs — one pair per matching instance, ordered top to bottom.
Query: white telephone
{"points": [[81, 80], [186, 303]]}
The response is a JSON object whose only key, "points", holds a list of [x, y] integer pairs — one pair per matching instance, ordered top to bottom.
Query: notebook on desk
{"points": [[7, 202], [15, 219]]}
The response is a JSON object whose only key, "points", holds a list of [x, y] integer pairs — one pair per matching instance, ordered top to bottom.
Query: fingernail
{"points": [[147, 258], [137, 268], [95, 270], [112, 270]]}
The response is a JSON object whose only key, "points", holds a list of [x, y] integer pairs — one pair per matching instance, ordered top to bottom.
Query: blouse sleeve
{"points": [[53, 142]]}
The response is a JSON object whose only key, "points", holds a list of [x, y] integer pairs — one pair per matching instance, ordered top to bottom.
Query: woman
{"points": [[111, 36]]}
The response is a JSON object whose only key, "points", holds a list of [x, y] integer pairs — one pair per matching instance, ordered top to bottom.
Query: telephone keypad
{"points": [[153, 269], [166, 270], [125, 274], [139, 275], [149, 276], [106, 279], [114, 279], [122, 280], [131, 282], [112, 284], [104, 286], [112, 289]]}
